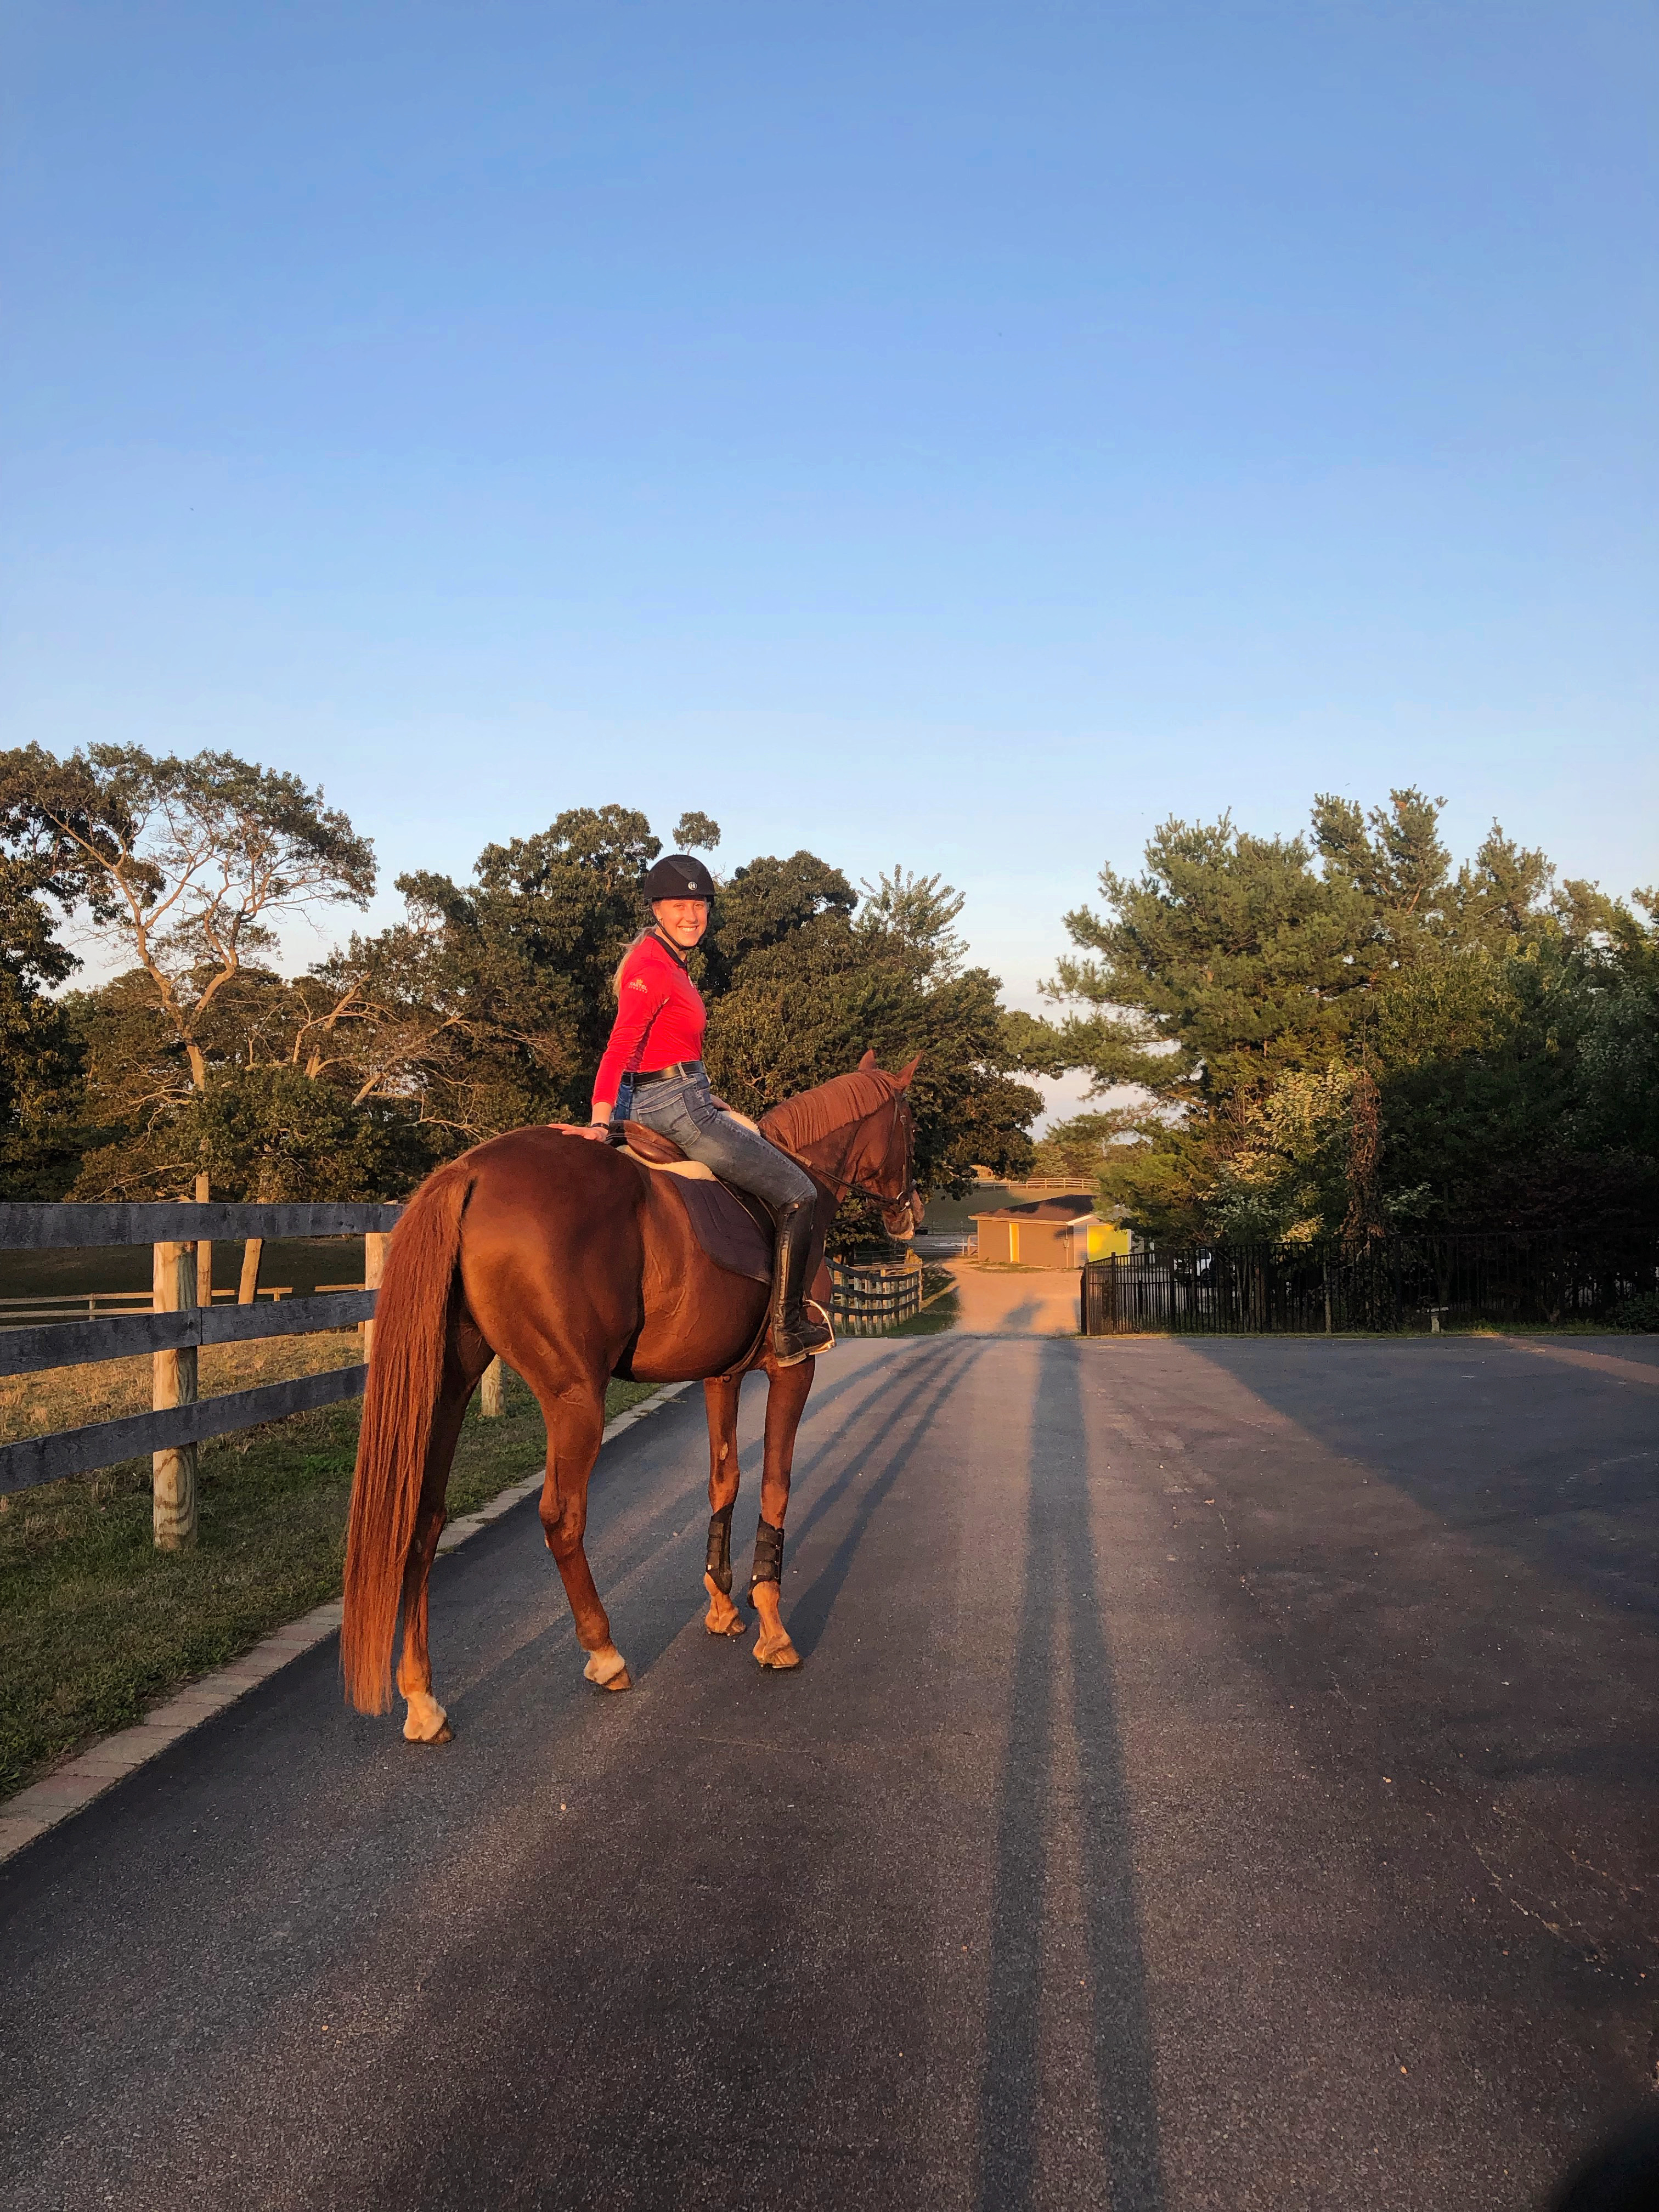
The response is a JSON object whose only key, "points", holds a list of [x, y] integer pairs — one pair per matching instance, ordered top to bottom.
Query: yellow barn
{"points": [[1049, 1232]]}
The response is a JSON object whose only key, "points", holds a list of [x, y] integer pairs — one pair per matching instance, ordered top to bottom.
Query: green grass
{"points": [[938, 1316], [96, 1625]]}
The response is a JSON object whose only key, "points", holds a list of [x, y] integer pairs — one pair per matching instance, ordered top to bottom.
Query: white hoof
{"points": [[608, 1669], [426, 1721]]}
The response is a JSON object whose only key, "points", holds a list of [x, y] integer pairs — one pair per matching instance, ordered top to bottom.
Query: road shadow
{"points": [[1549, 1462], [1061, 1592], [810, 1608], [648, 1614]]}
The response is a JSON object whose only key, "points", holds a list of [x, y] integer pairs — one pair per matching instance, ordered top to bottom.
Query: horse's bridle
{"points": [[849, 1186]]}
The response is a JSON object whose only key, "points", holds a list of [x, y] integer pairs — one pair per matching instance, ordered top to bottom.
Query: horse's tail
{"points": [[405, 1374]]}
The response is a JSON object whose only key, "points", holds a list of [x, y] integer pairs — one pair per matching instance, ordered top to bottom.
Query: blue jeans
{"points": [[685, 1110]]}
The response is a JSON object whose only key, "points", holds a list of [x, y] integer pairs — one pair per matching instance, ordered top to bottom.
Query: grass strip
{"points": [[96, 1625]]}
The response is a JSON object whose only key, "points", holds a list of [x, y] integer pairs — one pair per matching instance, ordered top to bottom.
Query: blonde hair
{"points": [[615, 980]]}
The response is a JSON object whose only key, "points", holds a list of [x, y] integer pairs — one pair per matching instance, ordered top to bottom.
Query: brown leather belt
{"points": [[676, 1072]]}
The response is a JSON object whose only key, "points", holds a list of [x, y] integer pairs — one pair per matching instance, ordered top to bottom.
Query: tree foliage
{"points": [[808, 988], [486, 1006], [1346, 1034], [40, 1070]]}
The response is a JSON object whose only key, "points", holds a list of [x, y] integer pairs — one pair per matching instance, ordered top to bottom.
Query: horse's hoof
{"points": [[722, 1618], [776, 1651], [608, 1669], [426, 1721]]}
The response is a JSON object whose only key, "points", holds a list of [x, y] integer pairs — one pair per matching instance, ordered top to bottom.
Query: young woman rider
{"points": [[653, 1072]]}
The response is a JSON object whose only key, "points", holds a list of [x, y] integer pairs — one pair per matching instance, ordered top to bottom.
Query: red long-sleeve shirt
{"points": [[661, 1018]]}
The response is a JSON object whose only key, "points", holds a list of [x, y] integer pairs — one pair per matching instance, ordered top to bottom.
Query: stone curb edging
{"points": [[33, 1811]]}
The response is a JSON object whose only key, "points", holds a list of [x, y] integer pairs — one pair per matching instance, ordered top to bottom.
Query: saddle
{"points": [[733, 1227]]}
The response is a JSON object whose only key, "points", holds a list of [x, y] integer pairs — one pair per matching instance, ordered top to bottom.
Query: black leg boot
{"points": [[796, 1334]]}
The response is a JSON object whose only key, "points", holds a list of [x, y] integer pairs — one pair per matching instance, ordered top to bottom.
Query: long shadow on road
{"points": [[1549, 1461], [1062, 1604], [810, 1609]]}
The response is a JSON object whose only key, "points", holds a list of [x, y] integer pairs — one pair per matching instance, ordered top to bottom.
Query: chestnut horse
{"points": [[575, 1262]]}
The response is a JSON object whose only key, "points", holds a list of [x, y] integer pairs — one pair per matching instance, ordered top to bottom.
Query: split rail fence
{"points": [[1395, 1283], [869, 1301], [175, 1328]]}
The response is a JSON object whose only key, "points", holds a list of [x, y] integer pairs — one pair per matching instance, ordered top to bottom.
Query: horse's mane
{"points": [[799, 1123]]}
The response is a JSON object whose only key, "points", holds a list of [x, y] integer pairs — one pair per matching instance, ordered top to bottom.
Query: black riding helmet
{"points": [[679, 876]]}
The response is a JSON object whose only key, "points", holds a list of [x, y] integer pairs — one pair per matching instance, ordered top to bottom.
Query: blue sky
{"points": [[948, 434]]}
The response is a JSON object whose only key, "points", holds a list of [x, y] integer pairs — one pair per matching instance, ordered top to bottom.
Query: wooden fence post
{"points": [[374, 1244], [204, 1251], [248, 1288], [489, 1391], [173, 1474]]}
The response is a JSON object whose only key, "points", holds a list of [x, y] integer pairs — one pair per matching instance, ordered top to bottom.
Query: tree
{"points": [[696, 833], [1392, 861], [187, 863], [184, 865], [769, 901], [913, 919], [1226, 964], [503, 988], [807, 989], [487, 1006], [1377, 1043], [40, 1074], [1617, 1106], [1080, 1147]]}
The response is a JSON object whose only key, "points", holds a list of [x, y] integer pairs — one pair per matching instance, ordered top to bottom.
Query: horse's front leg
{"points": [[721, 1397], [786, 1401]]}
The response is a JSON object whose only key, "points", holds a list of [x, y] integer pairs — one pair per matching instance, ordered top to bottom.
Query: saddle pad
{"points": [[691, 1170], [731, 1235]]}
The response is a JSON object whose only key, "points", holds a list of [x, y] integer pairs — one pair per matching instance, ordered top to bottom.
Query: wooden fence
{"points": [[869, 1301], [172, 1331]]}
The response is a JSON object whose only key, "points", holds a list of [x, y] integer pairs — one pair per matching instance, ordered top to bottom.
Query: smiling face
{"points": [[682, 920]]}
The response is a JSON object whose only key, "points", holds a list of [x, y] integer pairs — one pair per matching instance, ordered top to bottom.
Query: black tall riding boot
{"points": [[796, 1334]]}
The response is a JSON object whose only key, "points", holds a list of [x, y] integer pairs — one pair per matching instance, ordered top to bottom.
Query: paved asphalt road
{"points": [[1222, 1775]]}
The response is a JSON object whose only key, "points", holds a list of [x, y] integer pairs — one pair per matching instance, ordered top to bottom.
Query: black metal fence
{"points": [[1406, 1283]]}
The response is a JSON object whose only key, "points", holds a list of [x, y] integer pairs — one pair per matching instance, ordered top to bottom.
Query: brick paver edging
{"points": [[75, 1783]]}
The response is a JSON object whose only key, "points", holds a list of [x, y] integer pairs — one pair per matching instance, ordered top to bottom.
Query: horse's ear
{"points": [[868, 1062], [903, 1078]]}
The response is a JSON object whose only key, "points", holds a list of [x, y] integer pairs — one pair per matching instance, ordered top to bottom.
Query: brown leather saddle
{"points": [[733, 1228]]}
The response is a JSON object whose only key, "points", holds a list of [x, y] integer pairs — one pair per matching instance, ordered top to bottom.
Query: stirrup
{"points": [[788, 1350]]}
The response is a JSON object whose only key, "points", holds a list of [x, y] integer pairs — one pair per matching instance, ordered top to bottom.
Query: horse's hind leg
{"points": [[720, 1397], [786, 1401], [575, 1427], [426, 1720]]}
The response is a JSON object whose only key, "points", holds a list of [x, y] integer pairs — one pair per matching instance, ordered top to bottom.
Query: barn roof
{"points": [[1041, 1209]]}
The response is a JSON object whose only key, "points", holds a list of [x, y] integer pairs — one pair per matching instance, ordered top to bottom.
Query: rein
{"points": [[849, 1186]]}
